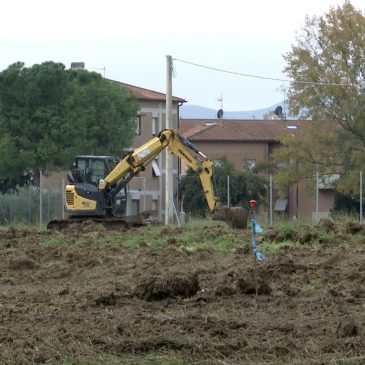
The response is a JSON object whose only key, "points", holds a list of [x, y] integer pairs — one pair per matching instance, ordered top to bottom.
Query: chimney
{"points": [[77, 65]]}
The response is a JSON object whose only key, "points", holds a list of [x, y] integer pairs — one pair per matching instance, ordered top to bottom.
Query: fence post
{"points": [[228, 192], [317, 197], [360, 197], [40, 198], [63, 199], [270, 202], [29, 205], [48, 205], [11, 207]]}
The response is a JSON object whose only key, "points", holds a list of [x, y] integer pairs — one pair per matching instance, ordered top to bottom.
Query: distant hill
{"points": [[201, 112]]}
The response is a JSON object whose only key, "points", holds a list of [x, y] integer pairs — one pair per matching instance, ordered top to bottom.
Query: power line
{"points": [[265, 77]]}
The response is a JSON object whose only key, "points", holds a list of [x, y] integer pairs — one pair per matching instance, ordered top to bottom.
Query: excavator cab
{"points": [[90, 169]]}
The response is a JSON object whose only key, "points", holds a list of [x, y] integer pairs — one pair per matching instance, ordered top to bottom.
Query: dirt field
{"points": [[104, 303]]}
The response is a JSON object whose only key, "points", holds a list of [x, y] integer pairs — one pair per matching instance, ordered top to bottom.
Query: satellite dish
{"points": [[278, 111], [220, 114]]}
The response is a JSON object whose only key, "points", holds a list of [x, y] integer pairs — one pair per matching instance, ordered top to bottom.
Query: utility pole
{"points": [[168, 158], [40, 198]]}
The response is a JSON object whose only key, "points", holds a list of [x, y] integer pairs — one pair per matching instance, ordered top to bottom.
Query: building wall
{"points": [[235, 152], [301, 200]]}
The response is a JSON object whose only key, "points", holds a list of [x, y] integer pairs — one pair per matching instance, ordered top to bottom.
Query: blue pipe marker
{"points": [[256, 228], [256, 253]]}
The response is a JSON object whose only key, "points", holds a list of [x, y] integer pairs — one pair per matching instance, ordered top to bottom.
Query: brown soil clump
{"points": [[353, 228], [170, 285]]}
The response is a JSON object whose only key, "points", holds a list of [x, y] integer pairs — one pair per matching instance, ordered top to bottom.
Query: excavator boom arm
{"points": [[181, 147], [135, 161]]}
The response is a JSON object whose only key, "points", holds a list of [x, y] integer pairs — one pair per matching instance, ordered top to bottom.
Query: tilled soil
{"points": [[60, 303]]}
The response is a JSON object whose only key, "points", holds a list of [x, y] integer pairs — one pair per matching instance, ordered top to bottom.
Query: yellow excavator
{"points": [[97, 184]]}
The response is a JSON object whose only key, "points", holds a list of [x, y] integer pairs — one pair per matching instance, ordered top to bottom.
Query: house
{"points": [[246, 143]]}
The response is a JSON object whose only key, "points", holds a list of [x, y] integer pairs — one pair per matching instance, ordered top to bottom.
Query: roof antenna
{"points": [[101, 69], [220, 111], [281, 111]]}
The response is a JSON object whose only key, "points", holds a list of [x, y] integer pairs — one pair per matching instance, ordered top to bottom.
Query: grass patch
{"points": [[206, 233], [294, 233], [195, 235], [215, 236], [51, 241], [63, 241], [80, 241], [274, 247], [318, 284]]}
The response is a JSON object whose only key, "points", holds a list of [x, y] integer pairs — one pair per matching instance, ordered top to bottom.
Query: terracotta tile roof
{"points": [[145, 94], [189, 127], [231, 130]]}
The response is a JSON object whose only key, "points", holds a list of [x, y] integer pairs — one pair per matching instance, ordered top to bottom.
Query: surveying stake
{"points": [[257, 255]]}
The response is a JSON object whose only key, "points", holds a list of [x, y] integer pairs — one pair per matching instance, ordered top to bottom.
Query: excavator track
{"points": [[114, 224]]}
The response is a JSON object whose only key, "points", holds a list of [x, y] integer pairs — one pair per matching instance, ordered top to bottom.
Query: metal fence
{"points": [[318, 182], [31, 206], [35, 206]]}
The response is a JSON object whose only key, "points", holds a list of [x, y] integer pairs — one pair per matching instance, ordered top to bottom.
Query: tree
{"points": [[327, 65], [49, 114], [243, 187]]}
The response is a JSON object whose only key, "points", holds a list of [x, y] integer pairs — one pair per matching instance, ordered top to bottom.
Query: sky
{"points": [[128, 41]]}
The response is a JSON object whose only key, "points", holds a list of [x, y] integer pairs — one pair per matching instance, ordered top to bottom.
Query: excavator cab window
{"points": [[94, 168], [95, 171]]}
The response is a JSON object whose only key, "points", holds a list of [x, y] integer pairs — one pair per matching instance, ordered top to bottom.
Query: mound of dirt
{"points": [[326, 224], [353, 227], [22, 263], [169, 285], [248, 286], [348, 328]]}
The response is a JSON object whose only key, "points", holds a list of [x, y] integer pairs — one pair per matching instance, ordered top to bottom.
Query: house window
{"points": [[138, 125], [154, 125], [217, 163], [249, 164], [155, 169]]}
